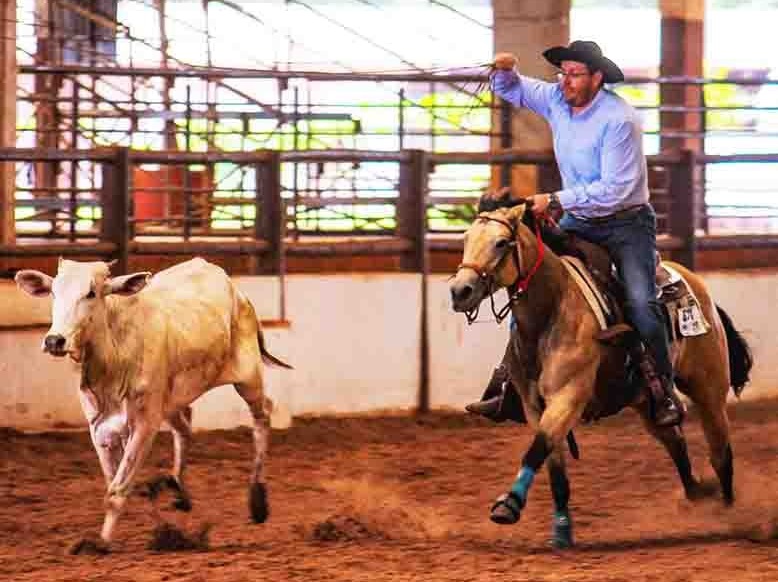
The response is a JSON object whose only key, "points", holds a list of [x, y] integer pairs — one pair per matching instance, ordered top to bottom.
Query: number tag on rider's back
{"points": [[690, 321]]}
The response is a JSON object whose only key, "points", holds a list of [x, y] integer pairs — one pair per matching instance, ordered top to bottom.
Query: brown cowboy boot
{"points": [[499, 401], [667, 408]]}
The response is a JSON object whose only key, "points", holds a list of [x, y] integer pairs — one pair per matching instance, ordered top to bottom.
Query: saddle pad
{"points": [[666, 276], [591, 292], [684, 309]]}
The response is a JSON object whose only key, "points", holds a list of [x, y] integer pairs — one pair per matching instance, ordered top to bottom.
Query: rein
{"points": [[520, 285]]}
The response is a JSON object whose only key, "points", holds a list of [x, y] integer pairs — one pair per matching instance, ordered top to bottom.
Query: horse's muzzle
{"points": [[465, 294], [460, 296]]}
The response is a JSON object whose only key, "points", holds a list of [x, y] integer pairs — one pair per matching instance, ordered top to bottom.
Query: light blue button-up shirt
{"points": [[599, 150]]}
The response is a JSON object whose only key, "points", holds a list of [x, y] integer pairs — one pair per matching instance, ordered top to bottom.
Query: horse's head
{"points": [[492, 258]]}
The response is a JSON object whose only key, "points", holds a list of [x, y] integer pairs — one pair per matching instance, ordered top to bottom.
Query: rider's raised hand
{"points": [[505, 61]]}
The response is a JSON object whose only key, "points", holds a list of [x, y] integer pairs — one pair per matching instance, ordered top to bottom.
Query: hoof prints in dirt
{"points": [[344, 528], [168, 538]]}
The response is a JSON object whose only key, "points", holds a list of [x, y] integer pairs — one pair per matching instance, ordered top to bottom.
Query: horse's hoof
{"points": [[702, 490], [258, 503], [182, 504], [507, 509], [562, 532], [89, 546]]}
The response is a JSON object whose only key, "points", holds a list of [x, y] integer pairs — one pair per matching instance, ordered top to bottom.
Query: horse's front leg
{"points": [[559, 417], [561, 521]]}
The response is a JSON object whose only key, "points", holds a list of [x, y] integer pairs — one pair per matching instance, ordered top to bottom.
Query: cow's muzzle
{"points": [[54, 344]]}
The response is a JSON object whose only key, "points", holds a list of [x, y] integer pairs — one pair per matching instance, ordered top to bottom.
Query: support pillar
{"points": [[526, 28], [682, 50], [681, 56], [47, 90], [8, 119]]}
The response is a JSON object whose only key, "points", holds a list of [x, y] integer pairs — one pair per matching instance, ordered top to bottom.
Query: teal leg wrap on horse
{"points": [[523, 482], [562, 530]]}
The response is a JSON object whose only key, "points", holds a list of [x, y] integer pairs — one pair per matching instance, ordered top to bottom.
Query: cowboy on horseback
{"points": [[598, 147]]}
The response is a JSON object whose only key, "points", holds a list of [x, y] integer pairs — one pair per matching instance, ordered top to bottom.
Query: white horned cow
{"points": [[148, 347]]}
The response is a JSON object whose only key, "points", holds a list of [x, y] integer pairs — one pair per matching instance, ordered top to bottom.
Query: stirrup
{"points": [[488, 408], [670, 412]]}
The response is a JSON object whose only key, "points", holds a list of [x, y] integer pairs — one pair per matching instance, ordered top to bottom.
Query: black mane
{"points": [[489, 203], [555, 238]]}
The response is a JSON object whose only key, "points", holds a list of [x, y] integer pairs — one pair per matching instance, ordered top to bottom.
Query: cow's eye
{"points": [[91, 294]]}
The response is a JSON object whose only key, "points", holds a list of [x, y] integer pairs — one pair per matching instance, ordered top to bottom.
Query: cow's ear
{"points": [[34, 282], [126, 284]]}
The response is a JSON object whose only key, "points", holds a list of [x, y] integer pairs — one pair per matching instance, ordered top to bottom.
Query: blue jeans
{"points": [[631, 243]]}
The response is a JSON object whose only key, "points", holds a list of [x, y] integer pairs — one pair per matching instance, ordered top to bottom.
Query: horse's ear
{"points": [[516, 214]]}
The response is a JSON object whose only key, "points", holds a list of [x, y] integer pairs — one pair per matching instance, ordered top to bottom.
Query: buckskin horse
{"points": [[564, 370]]}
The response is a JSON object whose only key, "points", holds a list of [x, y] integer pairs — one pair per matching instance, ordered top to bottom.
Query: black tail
{"points": [[267, 357], [740, 358]]}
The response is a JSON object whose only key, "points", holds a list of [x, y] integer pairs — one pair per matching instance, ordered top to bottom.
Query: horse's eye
{"points": [[501, 243], [91, 294]]}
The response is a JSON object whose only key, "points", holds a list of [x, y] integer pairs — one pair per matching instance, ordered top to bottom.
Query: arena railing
{"points": [[267, 232]]}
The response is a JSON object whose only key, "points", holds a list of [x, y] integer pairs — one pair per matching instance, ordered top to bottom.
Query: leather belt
{"points": [[627, 212]]}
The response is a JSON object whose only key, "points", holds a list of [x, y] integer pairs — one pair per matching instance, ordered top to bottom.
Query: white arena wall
{"points": [[354, 342]]}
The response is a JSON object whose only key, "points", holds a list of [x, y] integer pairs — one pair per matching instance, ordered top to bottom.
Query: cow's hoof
{"points": [[156, 486], [258, 503], [507, 509], [562, 532], [89, 546]]}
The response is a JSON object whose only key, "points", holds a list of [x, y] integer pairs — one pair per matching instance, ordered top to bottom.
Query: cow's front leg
{"points": [[181, 424], [108, 434], [141, 439], [137, 449], [108, 452]]}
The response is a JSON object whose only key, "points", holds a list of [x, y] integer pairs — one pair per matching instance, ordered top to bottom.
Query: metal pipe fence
{"points": [[260, 217]]}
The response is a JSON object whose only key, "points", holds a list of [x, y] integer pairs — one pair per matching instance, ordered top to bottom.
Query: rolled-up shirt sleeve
{"points": [[534, 94], [622, 169]]}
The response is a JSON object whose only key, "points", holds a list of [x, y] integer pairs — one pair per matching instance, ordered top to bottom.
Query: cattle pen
{"points": [[328, 157]]}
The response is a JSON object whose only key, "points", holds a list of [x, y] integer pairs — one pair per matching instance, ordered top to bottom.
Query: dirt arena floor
{"points": [[401, 499]]}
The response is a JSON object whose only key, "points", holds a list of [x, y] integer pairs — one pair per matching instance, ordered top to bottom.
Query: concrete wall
{"points": [[750, 297], [353, 340]]}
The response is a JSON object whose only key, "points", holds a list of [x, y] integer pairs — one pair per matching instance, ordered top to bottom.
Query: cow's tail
{"points": [[267, 357], [740, 358]]}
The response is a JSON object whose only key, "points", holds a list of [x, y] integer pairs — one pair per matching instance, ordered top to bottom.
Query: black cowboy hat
{"points": [[588, 52]]}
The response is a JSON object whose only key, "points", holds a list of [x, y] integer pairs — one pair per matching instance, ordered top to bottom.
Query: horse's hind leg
{"points": [[252, 393], [716, 426], [674, 442], [562, 524]]}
